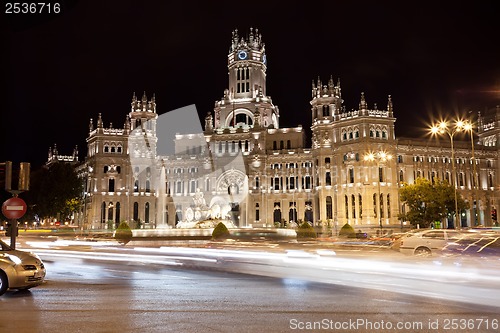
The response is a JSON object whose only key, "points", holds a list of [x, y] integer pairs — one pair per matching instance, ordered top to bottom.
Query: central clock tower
{"points": [[247, 65], [246, 94]]}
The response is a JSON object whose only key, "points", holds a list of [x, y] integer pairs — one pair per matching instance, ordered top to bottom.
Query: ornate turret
{"points": [[326, 100]]}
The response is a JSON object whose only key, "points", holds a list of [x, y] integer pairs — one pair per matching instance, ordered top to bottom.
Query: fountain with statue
{"points": [[207, 216]]}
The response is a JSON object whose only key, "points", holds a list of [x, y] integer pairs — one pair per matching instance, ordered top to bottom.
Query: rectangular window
{"points": [[111, 185]]}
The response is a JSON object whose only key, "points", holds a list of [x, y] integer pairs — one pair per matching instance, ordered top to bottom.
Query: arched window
{"points": [[326, 111], [307, 182], [148, 186], [381, 201], [360, 204], [375, 205], [353, 206], [388, 206], [346, 207], [329, 210], [110, 211], [136, 211], [103, 212], [277, 212], [146, 213], [292, 213], [117, 215]]}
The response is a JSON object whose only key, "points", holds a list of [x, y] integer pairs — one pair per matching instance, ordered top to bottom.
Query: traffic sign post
{"points": [[13, 209]]}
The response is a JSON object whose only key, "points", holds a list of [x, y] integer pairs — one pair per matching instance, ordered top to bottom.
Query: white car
{"points": [[426, 242], [19, 269]]}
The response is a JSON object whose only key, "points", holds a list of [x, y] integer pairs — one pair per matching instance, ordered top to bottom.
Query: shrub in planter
{"points": [[305, 230], [220, 231], [347, 231], [123, 234]]}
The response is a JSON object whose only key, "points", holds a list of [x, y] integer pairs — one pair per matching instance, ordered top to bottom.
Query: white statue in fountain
{"points": [[199, 200], [203, 216]]}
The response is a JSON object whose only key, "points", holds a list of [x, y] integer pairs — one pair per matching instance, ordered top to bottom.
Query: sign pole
{"points": [[13, 233]]}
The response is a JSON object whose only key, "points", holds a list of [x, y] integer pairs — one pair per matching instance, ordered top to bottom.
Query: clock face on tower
{"points": [[242, 55], [264, 59]]}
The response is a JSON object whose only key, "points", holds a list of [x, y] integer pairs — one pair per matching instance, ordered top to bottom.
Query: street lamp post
{"points": [[442, 128], [470, 128], [379, 157]]}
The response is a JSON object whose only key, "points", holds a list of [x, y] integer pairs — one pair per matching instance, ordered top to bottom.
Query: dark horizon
{"points": [[434, 60]]}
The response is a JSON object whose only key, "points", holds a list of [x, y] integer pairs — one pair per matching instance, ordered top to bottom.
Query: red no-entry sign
{"points": [[14, 208]]}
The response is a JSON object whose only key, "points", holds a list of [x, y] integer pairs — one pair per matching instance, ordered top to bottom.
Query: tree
{"points": [[58, 190], [428, 202]]}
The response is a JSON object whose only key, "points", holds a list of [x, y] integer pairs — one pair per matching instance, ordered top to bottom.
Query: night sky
{"points": [[60, 70]]}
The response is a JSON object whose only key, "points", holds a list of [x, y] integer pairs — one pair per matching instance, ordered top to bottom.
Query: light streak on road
{"points": [[473, 282]]}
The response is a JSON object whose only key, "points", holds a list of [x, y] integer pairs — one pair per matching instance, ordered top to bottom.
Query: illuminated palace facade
{"points": [[282, 179]]}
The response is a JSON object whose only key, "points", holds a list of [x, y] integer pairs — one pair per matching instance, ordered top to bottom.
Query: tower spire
{"points": [[362, 103], [389, 106]]}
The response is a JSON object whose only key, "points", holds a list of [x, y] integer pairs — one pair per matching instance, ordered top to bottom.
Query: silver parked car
{"points": [[426, 242], [19, 269]]}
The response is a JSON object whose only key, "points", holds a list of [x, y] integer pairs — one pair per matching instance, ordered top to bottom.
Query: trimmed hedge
{"points": [[305, 230], [347, 230], [220, 231], [123, 233]]}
